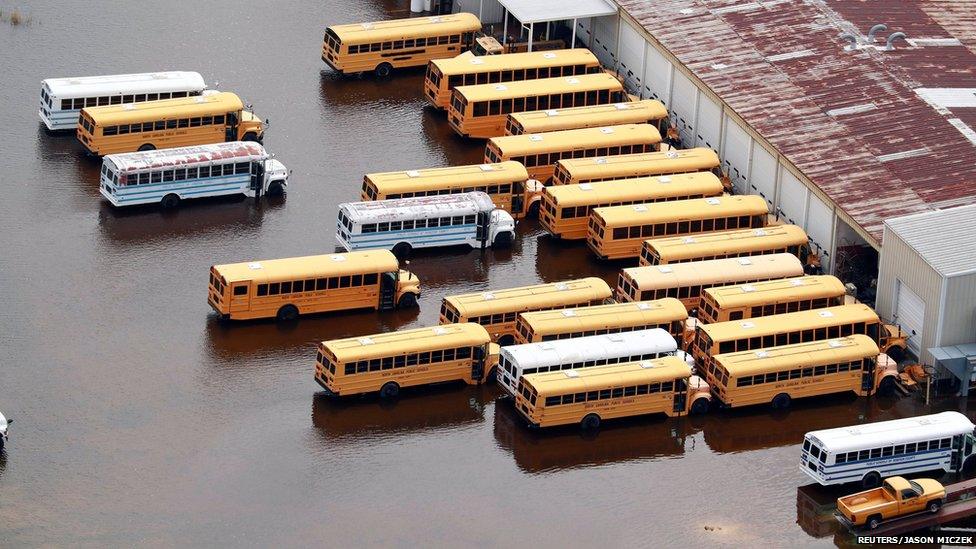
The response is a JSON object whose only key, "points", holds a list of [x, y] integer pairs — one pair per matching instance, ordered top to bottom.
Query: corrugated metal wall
{"points": [[491, 10], [899, 262], [959, 313]]}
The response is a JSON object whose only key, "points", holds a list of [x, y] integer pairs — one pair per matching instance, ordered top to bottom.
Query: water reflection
{"points": [[557, 260], [238, 343], [445, 406], [642, 438], [815, 507]]}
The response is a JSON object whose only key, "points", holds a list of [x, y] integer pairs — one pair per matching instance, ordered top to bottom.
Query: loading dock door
{"points": [[910, 315]]}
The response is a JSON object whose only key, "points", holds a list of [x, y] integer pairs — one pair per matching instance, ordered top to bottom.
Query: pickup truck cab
{"points": [[896, 497]]}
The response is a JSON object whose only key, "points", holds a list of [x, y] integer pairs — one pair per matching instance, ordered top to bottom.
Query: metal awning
{"points": [[542, 11]]}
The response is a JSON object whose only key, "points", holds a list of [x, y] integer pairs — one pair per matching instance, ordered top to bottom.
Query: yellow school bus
{"points": [[382, 46], [443, 75], [481, 110], [645, 111], [165, 124], [538, 152], [624, 166], [507, 183], [565, 209], [617, 232], [772, 239], [685, 281], [286, 288], [770, 297], [497, 310], [668, 314], [791, 328], [404, 358], [777, 375], [589, 396]]}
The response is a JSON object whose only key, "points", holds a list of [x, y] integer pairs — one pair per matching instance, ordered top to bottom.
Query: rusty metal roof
{"points": [[850, 120]]}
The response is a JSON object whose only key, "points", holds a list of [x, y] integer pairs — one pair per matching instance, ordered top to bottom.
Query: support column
{"points": [[505, 26], [531, 32], [573, 45]]}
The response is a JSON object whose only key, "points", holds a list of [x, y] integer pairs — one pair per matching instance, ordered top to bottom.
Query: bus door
{"points": [[231, 129], [257, 178], [518, 197], [484, 218], [388, 286], [240, 300], [478, 363], [867, 376], [680, 396], [955, 463]]}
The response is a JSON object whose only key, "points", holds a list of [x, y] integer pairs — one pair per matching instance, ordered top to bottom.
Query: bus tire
{"points": [[383, 70], [250, 136], [147, 147], [276, 189], [170, 201], [533, 209], [502, 240], [402, 250], [407, 301], [287, 313], [506, 340], [896, 353], [887, 386], [390, 389], [781, 401], [699, 406], [590, 423], [969, 466], [871, 480], [934, 506], [874, 521]]}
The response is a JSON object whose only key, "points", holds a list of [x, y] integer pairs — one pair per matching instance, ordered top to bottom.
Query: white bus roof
{"points": [[147, 82], [243, 151], [420, 207], [584, 349], [896, 431]]}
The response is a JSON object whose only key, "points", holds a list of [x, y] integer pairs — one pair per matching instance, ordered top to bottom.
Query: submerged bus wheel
{"points": [[383, 70], [250, 136], [147, 147], [276, 188], [170, 201], [502, 240], [402, 250], [407, 301], [288, 312], [887, 386], [389, 390], [781, 401], [699, 406], [591, 422], [871, 480]]}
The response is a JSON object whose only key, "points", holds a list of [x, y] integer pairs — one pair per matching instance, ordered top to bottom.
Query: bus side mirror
{"points": [[267, 121]]}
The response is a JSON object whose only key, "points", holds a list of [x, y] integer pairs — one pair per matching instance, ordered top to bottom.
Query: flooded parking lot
{"points": [[141, 419]]}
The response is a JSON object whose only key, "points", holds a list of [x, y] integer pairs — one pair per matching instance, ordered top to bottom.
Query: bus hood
{"points": [[274, 169], [502, 219], [3, 425]]}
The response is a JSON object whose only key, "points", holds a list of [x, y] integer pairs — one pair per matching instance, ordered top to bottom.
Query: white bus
{"points": [[63, 98], [166, 176], [402, 224], [581, 352], [873, 451]]}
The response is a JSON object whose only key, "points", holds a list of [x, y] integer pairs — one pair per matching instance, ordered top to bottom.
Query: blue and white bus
{"points": [[63, 98], [167, 176], [402, 224], [873, 451]]}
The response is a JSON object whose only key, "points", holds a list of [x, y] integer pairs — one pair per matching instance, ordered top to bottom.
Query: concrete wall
{"points": [[900, 262]]}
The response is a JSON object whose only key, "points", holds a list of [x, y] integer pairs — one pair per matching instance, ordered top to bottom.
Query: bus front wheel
{"points": [[383, 70], [250, 136], [147, 147], [276, 188], [170, 201], [502, 240], [402, 250], [407, 301], [287, 313], [506, 340], [896, 353], [887, 386], [389, 390], [781, 401], [699, 406], [590, 423], [871, 480]]}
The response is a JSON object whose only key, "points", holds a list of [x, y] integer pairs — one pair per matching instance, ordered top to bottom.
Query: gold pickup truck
{"points": [[896, 497]]}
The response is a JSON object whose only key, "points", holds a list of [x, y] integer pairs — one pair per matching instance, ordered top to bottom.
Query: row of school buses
{"points": [[165, 137]]}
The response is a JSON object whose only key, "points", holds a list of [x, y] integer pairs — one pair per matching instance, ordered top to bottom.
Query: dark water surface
{"points": [[140, 419]]}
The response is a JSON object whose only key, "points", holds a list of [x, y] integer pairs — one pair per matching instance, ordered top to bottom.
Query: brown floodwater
{"points": [[141, 419]]}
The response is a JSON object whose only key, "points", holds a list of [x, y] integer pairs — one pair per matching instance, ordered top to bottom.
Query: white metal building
{"points": [[927, 278]]}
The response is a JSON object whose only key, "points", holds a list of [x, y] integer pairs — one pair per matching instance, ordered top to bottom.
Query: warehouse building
{"points": [[840, 114], [927, 285]]}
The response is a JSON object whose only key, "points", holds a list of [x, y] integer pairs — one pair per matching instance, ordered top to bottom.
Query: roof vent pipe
{"points": [[880, 27], [850, 38], [890, 45]]}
